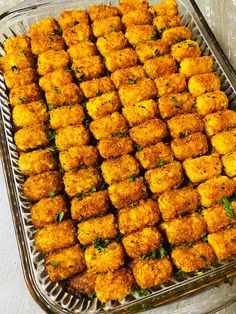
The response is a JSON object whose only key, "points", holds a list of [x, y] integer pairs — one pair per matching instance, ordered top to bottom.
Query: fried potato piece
{"points": [[126, 6], [167, 7], [101, 11], [137, 17], [71, 18], [163, 22], [107, 25], [43, 27], [77, 33], [140, 33], [176, 34], [111, 42], [42, 43], [17, 44], [149, 49], [185, 49], [81, 50], [121, 59], [51, 60], [16, 62], [196, 65], [160, 66], [87, 68], [129, 75], [20, 77], [55, 79], [173, 83], [203, 83], [97, 87], [24, 94], [211, 102], [67, 115], [219, 121], [224, 142], [115, 146], [229, 163], [164, 178], [83, 180], [213, 190], [127, 192], [178, 202], [48, 211], [145, 213], [98, 228], [56, 236], [83, 282]]}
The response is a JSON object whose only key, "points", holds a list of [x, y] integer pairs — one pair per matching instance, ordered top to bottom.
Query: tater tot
{"points": [[126, 6], [167, 7], [101, 11], [137, 17], [71, 18], [163, 22], [105, 26], [43, 27], [77, 33], [140, 33], [176, 34], [111, 42], [20, 43], [42, 43], [149, 49], [185, 49], [81, 50], [121, 59], [50, 61], [15, 62], [196, 65], [160, 66], [87, 68], [129, 75], [20, 77], [58, 79], [173, 83], [203, 83], [97, 87], [24, 94], [211, 102], [103, 105], [170, 105], [29, 114], [67, 115], [219, 121], [185, 124], [108, 125], [149, 132], [71, 136], [31, 137], [224, 142], [115, 146], [191, 146], [155, 155], [80, 156], [37, 161], [229, 163], [122, 168], [202, 168], [164, 178], [83, 180], [42, 185], [213, 190], [127, 192], [177, 202], [89, 206], [48, 210], [145, 213], [216, 217], [97, 228], [186, 229], [56, 236], [142, 242], [223, 243], [109, 258], [192, 258], [65, 263], [151, 272], [83, 283], [114, 285]]}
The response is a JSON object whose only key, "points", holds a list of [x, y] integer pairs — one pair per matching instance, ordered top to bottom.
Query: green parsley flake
{"points": [[112, 28], [57, 32], [154, 36], [50, 39], [179, 40], [191, 45], [131, 81], [57, 90], [99, 92], [22, 100], [50, 107], [51, 134], [120, 134], [181, 135], [138, 147], [161, 163], [132, 178], [94, 189], [52, 194], [228, 208], [60, 216], [101, 245], [159, 253], [53, 263], [143, 292]]}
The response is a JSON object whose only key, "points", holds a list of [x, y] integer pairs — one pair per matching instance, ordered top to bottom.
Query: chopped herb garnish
{"points": [[112, 28], [164, 28], [57, 32], [154, 36], [50, 39], [179, 40], [142, 41], [191, 45], [134, 46], [157, 52], [22, 53], [14, 68], [68, 69], [77, 69], [82, 77], [131, 81], [57, 90], [99, 92], [174, 99], [22, 100], [50, 107], [87, 122], [51, 134], [120, 134], [181, 135], [53, 147], [138, 147], [161, 163], [62, 171], [132, 178], [94, 189], [52, 194], [79, 196], [133, 203], [228, 208], [200, 209], [60, 216], [119, 237], [233, 240], [101, 245], [159, 253], [203, 257], [53, 263], [143, 292], [92, 295], [146, 306]]}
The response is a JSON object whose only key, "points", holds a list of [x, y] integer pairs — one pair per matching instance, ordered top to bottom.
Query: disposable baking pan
{"points": [[52, 297]]}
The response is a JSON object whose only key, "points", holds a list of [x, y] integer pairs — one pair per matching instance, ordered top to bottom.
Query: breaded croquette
{"points": [[126, 6], [167, 7], [101, 11], [137, 17], [71, 18], [163, 22], [107, 25], [43, 27], [77, 33], [140, 33], [176, 34], [111, 42], [42, 43], [18, 44], [149, 49], [185, 49], [81, 50], [121, 59], [50, 61], [16, 62], [197, 65], [160, 66], [87, 68], [129, 75], [20, 77], [55, 79], [173, 83], [203, 83], [97, 87], [24, 94], [211, 102], [170, 105], [29, 114], [62, 117], [219, 121], [185, 124], [109, 125], [149, 132], [71, 136], [31, 137], [224, 142], [115, 146], [190, 146], [155, 155], [79, 156], [37, 161], [229, 163], [122, 168], [202, 168], [164, 178], [80, 181], [42, 185], [213, 190], [127, 192], [178, 202], [94, 204], [48, 210], [145, 213], [98, 228], [186, 229], [56, 236], [142, 242], [223, 243], [192, 258], [101, 260], [65, 263], [151, 272], [83, 283], [114, 285]]}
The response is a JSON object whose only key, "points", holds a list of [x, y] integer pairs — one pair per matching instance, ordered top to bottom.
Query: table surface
{"points": [[14, 296]]}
